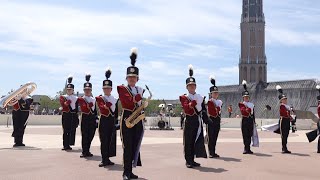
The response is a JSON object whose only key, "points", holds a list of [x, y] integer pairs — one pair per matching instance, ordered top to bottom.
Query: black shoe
{"points": [[16, 145], [19, 145], [68, 149], [286, 151], [318, 151], [245, 152], [250, 152], [89, 154], [83, 155], [214, 156], [110, 163], [102, 164], [196, 164], [189, 165], [133, 176], [125, 177]]}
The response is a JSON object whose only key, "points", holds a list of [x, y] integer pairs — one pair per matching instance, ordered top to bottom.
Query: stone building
{"points": [[253, 60], [253, 68]]}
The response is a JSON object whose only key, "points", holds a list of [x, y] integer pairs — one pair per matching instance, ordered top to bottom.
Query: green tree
{"points": [[48, 104]]}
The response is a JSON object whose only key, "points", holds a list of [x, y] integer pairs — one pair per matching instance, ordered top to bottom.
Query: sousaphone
{"points": [[12, 98]]}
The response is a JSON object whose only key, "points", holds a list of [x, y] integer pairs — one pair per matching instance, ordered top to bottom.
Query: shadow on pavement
{"points": [[21, 148], [76, 151], [299, 154], [262, 155], [93, 158], [229, 159], [116, 167], [209, 169]]}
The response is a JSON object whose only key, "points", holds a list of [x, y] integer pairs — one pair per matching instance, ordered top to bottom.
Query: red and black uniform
{"points": [[108, 107], [319, 110], [214, 111], [20, 116], [70, 119], [88, 122], [247, 123], [284, 123], [318, 124], [131, 137], [193, 140]]}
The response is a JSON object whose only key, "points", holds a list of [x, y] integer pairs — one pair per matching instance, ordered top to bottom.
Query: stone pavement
{"points": [[162, 158]]}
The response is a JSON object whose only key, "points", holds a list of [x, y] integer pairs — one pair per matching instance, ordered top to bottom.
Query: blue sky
{"points": [[45, 41]]}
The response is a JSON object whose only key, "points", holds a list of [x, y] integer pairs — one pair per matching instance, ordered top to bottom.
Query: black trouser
{"points": [[19, 119], [181, 122], [68, 125], [74, 125], [191, 126], [88, 129], [284, 130], [247, 131], [106, 132], [213, 132], [130, 140]]}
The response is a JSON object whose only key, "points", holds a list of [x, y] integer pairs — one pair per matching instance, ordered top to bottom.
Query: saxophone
{"points": [[137, 115]]}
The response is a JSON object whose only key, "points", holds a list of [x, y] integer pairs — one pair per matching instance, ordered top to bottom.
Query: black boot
{"points": [[285, 151], [214, 156], [196, 164], [189, 165], [133, 176], [125, 177]]}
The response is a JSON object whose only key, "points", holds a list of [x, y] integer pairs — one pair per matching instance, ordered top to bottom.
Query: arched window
{"points": [[245, 72], [252, 74], [260, 74]]}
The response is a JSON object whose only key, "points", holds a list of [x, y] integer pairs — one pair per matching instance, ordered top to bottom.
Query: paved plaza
{"points": [[162, 158]]}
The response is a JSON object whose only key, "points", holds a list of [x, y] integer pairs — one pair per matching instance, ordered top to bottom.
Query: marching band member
{"points": [[130, 97], [108, 106], [194, 108], [214, 111], [20, 116], [89, 117], [70, 119], [248, 119], [285, 119], [318, 124], [312, 135]]}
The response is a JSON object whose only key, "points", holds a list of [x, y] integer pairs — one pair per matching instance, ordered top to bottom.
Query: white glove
{"points": [[146, 103], [97, 120]]}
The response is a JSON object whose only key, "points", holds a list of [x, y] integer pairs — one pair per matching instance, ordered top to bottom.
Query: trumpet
{"points": [[12, 98], [137, 116]]}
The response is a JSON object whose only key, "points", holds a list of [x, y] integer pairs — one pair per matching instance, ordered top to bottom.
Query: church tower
{"points": [[253, 60]]}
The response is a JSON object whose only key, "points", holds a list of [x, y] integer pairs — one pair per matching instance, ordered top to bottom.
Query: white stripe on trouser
{"points": [[199, 129]]}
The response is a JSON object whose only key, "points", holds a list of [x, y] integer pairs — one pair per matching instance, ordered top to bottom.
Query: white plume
{"points": [[134, 50], [109, 69], [244, 82], [278, 87], [318, 87]]}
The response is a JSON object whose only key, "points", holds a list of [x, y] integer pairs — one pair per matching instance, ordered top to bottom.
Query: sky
{"points": [[45, 41]]}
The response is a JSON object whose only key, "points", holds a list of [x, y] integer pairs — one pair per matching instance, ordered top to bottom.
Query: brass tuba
{"points": [[12, 98], [137, 115]]}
